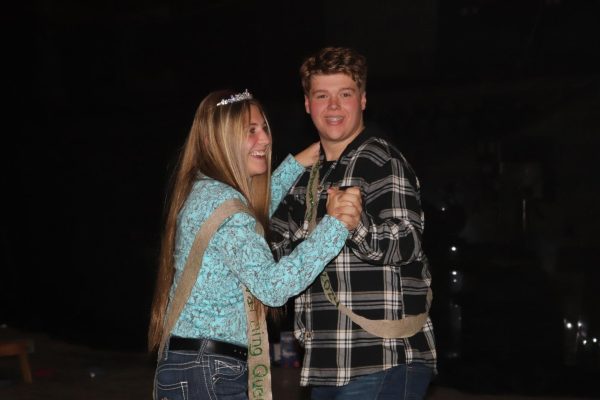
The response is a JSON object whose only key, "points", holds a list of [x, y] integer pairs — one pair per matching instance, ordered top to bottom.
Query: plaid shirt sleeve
{"points": [[391, 225], [280, 229]]}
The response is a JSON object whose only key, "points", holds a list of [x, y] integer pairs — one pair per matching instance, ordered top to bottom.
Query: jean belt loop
{"points": [[201, 351], [165, 353]]}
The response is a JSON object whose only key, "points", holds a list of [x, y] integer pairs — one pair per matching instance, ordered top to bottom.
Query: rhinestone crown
{"points": [[234, 98]]}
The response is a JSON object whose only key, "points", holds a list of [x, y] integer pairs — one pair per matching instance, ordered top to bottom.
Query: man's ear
{"points": [[363, 101], [306, 104]]}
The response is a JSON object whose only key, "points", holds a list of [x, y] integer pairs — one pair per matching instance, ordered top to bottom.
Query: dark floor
{"points": [[65, 371]]}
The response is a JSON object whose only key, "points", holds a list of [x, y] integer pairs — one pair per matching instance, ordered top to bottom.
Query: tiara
{"points": [[234, 98]]}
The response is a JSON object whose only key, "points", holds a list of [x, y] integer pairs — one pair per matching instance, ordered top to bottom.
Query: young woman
{"points": [[227, 155]]}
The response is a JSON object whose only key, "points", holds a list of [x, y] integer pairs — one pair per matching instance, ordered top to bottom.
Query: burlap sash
{"points": [[385, 328], [259, 370]]}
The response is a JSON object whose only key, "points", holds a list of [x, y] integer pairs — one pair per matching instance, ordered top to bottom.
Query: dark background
{"points": [[495, 103]]}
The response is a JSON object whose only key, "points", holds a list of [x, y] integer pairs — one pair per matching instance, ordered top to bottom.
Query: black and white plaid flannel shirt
{"points": [[381, 273]]}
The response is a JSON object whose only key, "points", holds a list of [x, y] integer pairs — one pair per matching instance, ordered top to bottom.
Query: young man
{"points": [[382, 272]]}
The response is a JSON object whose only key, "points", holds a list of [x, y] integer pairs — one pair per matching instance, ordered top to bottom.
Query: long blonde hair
{"points": [[214, 147]]}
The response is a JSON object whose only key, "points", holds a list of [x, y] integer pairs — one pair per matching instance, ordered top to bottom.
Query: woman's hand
{"points": [[308, 156], [345, 205]]}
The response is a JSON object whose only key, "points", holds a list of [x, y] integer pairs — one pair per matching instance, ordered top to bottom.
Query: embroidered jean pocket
{"points": [[227, 366], [228, 375]]}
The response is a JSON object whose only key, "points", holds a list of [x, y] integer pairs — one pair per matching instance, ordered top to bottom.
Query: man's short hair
{"points": [[335, 60]]}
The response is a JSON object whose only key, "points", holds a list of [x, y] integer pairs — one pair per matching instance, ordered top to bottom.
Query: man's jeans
{"points": [[189, 375], [403, 382]]}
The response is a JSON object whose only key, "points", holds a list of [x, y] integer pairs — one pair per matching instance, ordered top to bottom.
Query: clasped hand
{"points": [[345, 205]]}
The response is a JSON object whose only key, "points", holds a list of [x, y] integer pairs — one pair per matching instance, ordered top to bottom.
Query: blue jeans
{"points": [[197, 375], [403, 382]]}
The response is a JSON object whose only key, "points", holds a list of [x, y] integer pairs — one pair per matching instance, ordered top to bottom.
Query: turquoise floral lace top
{"points": [[237, 255]]}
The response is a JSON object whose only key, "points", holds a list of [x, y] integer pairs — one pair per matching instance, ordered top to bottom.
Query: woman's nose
{"points": [[264, 137]]}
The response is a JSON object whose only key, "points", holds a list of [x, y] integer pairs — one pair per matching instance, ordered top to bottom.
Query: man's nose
{"points": [[334, 103]]}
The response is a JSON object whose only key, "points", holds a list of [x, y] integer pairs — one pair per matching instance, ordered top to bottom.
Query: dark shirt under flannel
{"points": [[381, 273]]}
